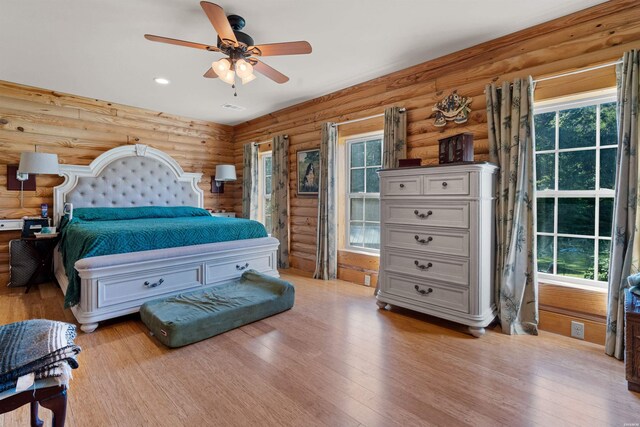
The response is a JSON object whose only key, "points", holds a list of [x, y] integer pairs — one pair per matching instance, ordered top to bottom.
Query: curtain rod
{"points": [[584, 70], [402, 110], [268, 142]]}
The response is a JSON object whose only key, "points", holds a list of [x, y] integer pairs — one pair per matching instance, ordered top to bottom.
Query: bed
{"points": [[116, 284]]}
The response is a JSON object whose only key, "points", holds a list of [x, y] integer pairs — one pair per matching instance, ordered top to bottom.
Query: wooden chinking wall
{"points": [[593, 36], [79, 129]]}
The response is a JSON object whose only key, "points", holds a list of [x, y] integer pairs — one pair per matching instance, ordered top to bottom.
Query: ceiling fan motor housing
{"points": [[237, 23]]}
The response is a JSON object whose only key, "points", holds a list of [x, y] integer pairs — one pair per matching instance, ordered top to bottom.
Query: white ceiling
{"points": [[95, 48]]}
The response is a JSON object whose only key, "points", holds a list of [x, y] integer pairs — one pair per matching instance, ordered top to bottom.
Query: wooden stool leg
{"points": [[58, 405], [35, 421]]}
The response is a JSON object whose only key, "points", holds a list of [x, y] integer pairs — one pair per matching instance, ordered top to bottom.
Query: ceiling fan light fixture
{"points": [[221, 67], [243, 68], [229, 77], [249, 78]]}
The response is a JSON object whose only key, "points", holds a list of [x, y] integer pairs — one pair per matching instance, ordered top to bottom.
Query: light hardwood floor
{"points": [[336, 360]]}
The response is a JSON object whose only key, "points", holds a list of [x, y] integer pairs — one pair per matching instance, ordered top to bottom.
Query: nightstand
{"points": [[224, 214], [42, 250]]}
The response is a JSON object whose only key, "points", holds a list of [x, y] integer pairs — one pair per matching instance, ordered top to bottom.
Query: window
{"points": [[575, 157], [364, 158], [266, 191]]}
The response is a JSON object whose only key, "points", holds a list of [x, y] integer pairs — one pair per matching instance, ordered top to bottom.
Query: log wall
{"points": [[590, 37], [79, 129]]}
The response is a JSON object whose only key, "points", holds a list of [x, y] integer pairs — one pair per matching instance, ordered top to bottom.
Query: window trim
{"points": [[557, 105], [263, 186], [348, 195]]}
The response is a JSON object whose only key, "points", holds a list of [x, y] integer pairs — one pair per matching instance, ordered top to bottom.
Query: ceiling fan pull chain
{"points": [[235, 91]]}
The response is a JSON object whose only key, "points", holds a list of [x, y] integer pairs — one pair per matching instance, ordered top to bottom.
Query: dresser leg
{"points": [[382, 305], [88, 327], [476, 331]]}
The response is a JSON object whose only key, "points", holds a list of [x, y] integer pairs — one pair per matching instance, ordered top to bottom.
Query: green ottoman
{"points": [[193, 316]]}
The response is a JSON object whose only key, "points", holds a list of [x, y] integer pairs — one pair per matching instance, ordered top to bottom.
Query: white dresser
{"points": [[437, 235]]}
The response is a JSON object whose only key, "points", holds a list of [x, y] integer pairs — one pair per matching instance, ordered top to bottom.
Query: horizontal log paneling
{"points": [[593, 36], [79, 129]]}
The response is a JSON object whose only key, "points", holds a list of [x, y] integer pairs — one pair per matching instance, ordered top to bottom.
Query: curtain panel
{"points": [[510, 122], [394, 146], [250, 181], [280, 197], [625, 245], [326, 246]]}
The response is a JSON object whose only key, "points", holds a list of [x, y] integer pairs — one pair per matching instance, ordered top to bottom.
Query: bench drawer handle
{"points": [[444, 184], [401, 185], [421, 215], [423, 241], [422, 266], [242, 267], [154, 285], [422, 291]]}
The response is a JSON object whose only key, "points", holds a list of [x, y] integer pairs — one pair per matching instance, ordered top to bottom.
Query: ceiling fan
{"points": [[239, 47]]}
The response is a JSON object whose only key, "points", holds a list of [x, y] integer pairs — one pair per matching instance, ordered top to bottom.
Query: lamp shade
{"points": [[38, 163], [225, 173]]}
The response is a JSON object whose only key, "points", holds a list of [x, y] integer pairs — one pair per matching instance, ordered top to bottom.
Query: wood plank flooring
{"points": [[335, 360]]}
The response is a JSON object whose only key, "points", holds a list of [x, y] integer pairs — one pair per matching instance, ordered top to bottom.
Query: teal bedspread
{"points": [[106, 231]]}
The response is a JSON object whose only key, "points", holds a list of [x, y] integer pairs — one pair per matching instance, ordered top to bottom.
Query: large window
{"points": [[576, 146], [364, 158], [266, 191]]}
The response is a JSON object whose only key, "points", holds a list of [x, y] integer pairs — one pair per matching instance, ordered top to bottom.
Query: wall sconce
{"points": [[37, 164], [223, 174]]}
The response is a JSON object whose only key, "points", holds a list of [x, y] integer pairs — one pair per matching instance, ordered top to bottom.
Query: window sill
{"points": [[355, 251], [560, 282]]}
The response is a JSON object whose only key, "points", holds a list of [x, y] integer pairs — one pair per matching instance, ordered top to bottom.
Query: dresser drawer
{"points": [[446, 184], [402, 186], [435, 214], [428, 240], [426, 266], [231, 268], [128, 288], [428, 293]]}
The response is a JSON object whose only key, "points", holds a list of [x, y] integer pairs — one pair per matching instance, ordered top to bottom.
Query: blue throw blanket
{"points": [[107, 231]]}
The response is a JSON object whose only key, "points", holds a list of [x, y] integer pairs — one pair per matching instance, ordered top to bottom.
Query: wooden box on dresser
{"points": [[437, 241]]}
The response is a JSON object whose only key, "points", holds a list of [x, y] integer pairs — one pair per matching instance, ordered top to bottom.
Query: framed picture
{"points": [[308, 171]]}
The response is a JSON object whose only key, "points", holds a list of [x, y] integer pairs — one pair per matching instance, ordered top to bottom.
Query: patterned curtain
{"points": [[510, 122], [395, 137], [394, 146], [250, 181], [280, 197], [625, 245], [326, 246]]}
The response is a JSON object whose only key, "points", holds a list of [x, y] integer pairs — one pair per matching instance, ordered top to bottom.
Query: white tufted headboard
{"points": [[127, 176]]}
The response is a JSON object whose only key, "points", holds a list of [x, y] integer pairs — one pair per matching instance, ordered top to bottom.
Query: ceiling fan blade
{"points": [[219, 21], [180, 43], [287, 48], [272, 73], [210, 74]]}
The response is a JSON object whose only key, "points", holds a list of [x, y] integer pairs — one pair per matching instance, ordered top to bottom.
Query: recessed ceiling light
{"points": [[161, 81]]}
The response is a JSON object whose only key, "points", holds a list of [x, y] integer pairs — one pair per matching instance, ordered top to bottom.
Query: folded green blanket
{"points": [[107, 231]]}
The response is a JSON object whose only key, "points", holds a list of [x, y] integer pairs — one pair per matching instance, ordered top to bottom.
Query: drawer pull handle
{"points": [[444, 184], [401, 185], [421, 215], [423, 241], [422, 266], [242, 267], [154, 285], [422, 291]]}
